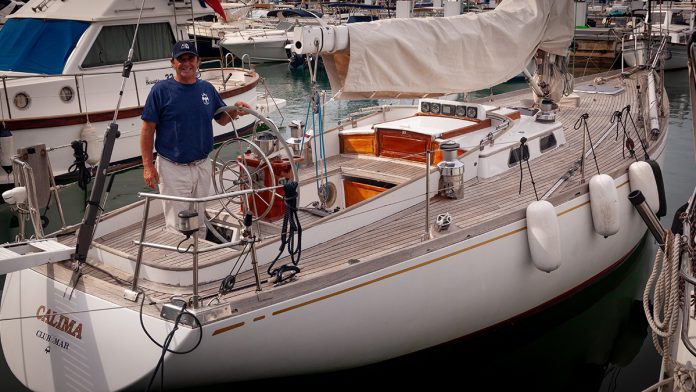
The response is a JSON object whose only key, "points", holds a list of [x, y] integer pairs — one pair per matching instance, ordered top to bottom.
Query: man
{"points": [[179, 112]]}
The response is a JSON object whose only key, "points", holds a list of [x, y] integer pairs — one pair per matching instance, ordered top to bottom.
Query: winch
{"points": [[546, 113], [296, 136], [267, 142], [451, 183], [187, 222]]}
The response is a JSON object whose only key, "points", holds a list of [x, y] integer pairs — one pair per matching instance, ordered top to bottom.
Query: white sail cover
{"points": [[419, 57]]}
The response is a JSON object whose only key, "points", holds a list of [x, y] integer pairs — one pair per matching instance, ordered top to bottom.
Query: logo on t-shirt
{"points": [[205, 99]]}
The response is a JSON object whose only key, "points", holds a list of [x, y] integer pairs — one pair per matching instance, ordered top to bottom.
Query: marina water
{"points": [[595, 340]]}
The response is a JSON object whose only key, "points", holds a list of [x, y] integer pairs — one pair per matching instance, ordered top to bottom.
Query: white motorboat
{"points": [[674, 25], [269, 43], [260, 44], [61, 70], [402, 228]]}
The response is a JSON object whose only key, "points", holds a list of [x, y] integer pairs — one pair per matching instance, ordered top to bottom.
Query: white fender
{"points": [[94, 147], [7, 149], [642, 178], [604, 203], [543, 235]]}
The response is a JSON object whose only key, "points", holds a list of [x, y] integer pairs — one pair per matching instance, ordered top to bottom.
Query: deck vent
{"points": [[451, 183]]}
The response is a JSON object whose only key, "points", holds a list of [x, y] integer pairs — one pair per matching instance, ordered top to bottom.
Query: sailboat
{"points": [[62, 61], [401, 228]]}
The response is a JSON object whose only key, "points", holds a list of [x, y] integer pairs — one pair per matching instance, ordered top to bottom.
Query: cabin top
{"points": [[102, 10]]}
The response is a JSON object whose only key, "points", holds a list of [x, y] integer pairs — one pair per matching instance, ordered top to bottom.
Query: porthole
{"points": [[66, 94], [22, 100], [547, 142], [517, 154]]}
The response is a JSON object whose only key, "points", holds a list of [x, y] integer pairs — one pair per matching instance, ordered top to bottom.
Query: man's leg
{"points": [[202, 173], [175, 180]]}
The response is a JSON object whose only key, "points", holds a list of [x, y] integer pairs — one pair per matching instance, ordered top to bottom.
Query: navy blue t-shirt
{"points": [[183, 114]]}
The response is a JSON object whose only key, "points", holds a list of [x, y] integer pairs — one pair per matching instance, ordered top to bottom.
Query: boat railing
{"points": [[246, 55], [76, 83], [25, 177], [133, 292]]}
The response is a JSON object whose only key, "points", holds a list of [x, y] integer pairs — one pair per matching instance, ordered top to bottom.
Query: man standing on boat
{"points": [[179, 112]]}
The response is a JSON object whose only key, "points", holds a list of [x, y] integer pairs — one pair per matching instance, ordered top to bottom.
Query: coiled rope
{"points": [[664, 277], [664, 318]]}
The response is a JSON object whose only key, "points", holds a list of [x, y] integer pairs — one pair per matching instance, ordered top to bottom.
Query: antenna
{"points": [[94, 207]]}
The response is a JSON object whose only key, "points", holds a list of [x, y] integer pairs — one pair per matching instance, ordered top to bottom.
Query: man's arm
{"points": [[228, 116], [147, 141]]}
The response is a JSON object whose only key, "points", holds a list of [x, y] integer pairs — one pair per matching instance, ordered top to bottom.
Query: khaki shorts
{"points": [[185, 180]]}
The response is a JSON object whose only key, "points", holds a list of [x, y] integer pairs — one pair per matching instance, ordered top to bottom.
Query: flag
{"points": [[216, 6]]}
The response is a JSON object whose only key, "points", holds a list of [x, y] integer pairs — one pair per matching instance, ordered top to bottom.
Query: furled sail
{"points": [[418, 57]]}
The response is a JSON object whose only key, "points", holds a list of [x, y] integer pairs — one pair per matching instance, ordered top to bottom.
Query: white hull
{"points": [[260, 47], [420, 302]]}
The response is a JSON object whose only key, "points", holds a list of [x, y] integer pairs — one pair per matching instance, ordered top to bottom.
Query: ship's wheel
{"points": [[248, 166]]}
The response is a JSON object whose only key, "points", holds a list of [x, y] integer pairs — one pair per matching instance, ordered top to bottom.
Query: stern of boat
{"points": [[57, 339]]}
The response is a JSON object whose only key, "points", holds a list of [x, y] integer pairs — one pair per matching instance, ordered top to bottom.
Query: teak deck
{"points": [[487, 204]]}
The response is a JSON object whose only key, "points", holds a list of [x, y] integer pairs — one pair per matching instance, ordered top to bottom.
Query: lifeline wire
{"points": [[582, 122]]}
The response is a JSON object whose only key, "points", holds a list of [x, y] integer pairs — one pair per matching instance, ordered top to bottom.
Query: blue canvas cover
{"points": [[38, 45]]}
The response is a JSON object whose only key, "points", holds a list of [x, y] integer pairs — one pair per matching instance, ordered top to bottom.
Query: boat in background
{"points": [[8, 7], [672, 24], [270, 42], [61, 69], [402, 228]]}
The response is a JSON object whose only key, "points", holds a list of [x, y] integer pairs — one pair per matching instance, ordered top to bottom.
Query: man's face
{"points": [[185, 66]]}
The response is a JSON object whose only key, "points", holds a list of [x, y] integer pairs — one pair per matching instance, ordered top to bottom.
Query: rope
{"points": [[78, 167], [288, 238], [664, 278], [684, 379]]}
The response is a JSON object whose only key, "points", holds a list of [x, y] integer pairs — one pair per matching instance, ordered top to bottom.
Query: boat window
{"points": [[285, 25], [38, 45], [111, 47], [547, 142], [514, 157]]}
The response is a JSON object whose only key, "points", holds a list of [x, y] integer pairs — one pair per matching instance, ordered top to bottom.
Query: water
{"points": [[596, 340]]}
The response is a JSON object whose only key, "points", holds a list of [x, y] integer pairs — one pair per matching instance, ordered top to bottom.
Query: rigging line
{"points": [[129, 60], [84, 89], [627, 109], [320, 117], [582, 123], [306, 124], [314, 149], [519, 155], [575, 166], [529, 168], [151, 303]]}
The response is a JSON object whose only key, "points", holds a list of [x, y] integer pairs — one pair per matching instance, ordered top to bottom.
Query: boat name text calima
{"points": [[63, 323]]}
